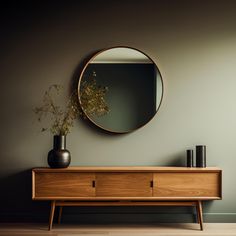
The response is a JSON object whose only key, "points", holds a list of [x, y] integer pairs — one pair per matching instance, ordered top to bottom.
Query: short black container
{"points": [[59, 156], [200, 156], [189, 158]]}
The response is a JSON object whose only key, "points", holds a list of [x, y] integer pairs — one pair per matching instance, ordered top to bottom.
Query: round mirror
{"points": [[120, 89]]}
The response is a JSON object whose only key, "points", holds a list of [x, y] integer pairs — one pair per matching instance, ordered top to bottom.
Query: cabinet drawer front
{"points": [[124, 184], [59, 185], [187, 185]]}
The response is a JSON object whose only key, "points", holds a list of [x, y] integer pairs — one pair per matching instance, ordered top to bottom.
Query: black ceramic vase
{"points": [[59, 157]]}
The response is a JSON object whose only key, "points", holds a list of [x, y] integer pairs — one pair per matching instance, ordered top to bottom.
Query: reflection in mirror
{"points": [[133, 85]]}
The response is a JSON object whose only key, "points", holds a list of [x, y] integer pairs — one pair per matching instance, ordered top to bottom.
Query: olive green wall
{"points": [[194, 46]]}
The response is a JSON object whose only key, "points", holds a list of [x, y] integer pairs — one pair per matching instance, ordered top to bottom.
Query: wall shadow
{"points": [[16, 199]]}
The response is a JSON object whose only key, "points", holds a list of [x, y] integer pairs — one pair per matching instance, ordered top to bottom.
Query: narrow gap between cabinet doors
{"points": [[152, 183]]}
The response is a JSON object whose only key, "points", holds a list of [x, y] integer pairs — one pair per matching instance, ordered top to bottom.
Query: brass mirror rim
{"points": [[81, 76]]}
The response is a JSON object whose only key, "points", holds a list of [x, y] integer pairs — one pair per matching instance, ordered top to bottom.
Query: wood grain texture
{"points": [[124, 184], [56, 185], [171, 185]]}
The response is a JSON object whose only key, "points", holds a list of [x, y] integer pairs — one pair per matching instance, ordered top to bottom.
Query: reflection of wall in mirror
{"points": [[131, 94]]}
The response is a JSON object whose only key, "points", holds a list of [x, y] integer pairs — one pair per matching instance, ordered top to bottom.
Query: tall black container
{"points": [[189, 153], [59, 156], [200, 156]]}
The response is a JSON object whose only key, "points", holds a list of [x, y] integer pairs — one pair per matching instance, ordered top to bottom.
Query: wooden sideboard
{"points": [[126, 186]]}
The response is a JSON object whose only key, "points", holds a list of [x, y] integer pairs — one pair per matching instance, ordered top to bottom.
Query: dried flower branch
{"points": [[62, 120]]}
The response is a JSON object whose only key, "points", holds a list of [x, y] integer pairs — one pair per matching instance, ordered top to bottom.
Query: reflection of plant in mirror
{"points": [[92, 98], [61, 119]]}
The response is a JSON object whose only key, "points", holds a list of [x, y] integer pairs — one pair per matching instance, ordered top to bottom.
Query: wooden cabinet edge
{"points": [[127, 169], [78, 170], [220, 183], [33, 184], [127, 198]]}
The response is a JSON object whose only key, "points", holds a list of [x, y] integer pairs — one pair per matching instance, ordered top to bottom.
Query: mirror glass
{"points": [[130, 87]]}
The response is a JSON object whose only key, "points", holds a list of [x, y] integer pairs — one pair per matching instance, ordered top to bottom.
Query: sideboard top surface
{"points": [[127, 169]]}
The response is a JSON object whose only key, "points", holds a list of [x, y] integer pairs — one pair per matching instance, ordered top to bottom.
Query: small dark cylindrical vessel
{"points": [[59, 156], [200, 156], [189, 158]]}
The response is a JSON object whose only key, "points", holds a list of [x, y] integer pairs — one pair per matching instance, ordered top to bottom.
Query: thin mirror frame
{"points": [[81, 77]]}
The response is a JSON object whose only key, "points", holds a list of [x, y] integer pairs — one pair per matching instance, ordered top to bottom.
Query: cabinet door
{"points": [[124, 184], [59, 185], [180, 185]]}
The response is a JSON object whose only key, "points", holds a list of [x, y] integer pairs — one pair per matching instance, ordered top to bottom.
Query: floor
{"points": [[24, 229]]}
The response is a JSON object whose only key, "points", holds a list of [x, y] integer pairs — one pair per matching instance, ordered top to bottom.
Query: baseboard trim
{"points": [[220, 217]]}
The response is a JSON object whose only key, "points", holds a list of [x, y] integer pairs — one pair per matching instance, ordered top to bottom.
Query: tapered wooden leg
{"points": [[53, 204], [60, 213], [199, 213]]}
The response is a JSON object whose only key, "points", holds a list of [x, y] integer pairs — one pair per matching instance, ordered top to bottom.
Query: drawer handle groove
{"points": [[94, 184], [151, 184]]}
